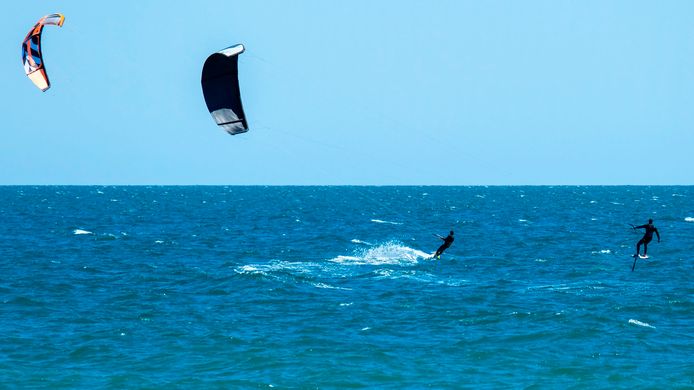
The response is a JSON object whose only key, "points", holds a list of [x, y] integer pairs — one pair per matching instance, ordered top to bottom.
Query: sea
{"points": [[326, 287]]}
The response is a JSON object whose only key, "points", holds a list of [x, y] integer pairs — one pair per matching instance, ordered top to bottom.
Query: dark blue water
{"points": [[325, 287]]}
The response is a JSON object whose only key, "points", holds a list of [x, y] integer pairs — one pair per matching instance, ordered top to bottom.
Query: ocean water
{"points": [[331, 287]]}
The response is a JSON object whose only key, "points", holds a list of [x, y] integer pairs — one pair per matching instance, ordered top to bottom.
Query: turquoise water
{"points": [[327, 287]]}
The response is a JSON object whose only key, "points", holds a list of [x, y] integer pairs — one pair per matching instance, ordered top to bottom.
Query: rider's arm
{"points": [[641, 227], [657, 234]]}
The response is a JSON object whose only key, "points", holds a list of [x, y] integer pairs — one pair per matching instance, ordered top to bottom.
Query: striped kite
{"points": [[31, 51]]}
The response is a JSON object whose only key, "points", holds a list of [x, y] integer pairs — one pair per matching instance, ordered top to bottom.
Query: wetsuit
{"points": [[647, 237], [446, 244]]}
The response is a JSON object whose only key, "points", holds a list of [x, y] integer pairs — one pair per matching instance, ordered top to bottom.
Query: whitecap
{"points": [[593, 201], [617, 203], [689, 219], [388, 222], [80, 231], [356, 241], [158, 242], [602, 252], [248, 269], [328, 286], [552, 287], [639, 323]]}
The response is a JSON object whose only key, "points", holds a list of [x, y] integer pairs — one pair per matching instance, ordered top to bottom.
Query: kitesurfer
{"points": [[647, 237], [447, 241]]}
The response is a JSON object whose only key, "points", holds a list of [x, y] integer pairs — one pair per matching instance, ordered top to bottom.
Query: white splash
{"points": [[80, 231], [388, 253], [639, 323]]}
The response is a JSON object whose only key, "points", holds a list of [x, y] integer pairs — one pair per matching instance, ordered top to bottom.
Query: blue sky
{"points": [[355, 92]]}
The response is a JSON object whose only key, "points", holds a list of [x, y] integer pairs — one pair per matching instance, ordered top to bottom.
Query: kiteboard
{"points": [[636, 257]]}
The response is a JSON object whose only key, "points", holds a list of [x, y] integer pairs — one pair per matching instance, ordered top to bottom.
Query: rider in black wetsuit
{"points": [[647, 237], [447, 241]]}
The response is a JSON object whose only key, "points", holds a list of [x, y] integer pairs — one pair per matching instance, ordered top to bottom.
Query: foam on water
{"points": [[689, 219], [81, 231], [277, 267]]}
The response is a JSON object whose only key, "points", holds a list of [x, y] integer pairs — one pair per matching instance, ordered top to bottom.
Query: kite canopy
{"points": [[31, 51], [220, 86]]}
